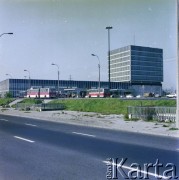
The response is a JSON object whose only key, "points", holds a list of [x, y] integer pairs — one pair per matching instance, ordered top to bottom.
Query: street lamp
{"points": [[108, 28], [6, 33], [99, 73], [177, 74], [9, 75], [58, 76], [29, 77]]}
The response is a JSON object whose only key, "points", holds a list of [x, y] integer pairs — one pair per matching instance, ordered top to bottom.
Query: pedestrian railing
{"points": [[152, 113]]}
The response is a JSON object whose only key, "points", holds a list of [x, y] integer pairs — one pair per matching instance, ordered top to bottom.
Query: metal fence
{"points": [[40, 107], [152, 113]]}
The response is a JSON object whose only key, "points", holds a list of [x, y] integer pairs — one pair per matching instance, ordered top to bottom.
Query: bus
{"points": [[41, 93], [102, 93]]}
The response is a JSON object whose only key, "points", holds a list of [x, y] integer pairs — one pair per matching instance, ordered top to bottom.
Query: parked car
{"points": [[172, 95], [129, 96], [138, 96]]}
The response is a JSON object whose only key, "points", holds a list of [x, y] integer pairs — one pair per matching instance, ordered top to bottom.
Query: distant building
{"points": [[142, 67], [133, 69], [18, 86]]}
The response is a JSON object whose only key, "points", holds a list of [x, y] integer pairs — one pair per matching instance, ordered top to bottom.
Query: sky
{"points": [[67, 32]]}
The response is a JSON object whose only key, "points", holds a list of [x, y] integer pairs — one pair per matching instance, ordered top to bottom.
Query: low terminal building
{"points": [[17, 86]]}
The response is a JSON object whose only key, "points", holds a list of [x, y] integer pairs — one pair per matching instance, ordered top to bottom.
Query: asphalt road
{"points": [[41, 150]]}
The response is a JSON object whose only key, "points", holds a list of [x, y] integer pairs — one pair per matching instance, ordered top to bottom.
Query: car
{"points": [[172, 95], [129, 96], [138, 96]]}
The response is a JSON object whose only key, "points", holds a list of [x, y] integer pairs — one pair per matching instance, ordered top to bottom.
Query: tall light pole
{"points": [[6, 33], [109, 71], [99, 73], [9, 75], [58, 75], [29, 77], [177, 78]]}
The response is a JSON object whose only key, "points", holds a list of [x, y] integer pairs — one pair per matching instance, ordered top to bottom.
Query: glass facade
{"points": [[146, 64], [15, 86]]}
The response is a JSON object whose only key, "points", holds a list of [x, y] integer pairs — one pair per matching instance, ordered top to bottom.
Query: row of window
{"points": [[148, 49], [115, 51], [147, 54], [120, 55], [122, 59], [149, 59], [127, 63], [139, 63], [125, 68], [147, 68], [124, 73], [144, 73], [147, 78], [120, 79], [19, 84]]}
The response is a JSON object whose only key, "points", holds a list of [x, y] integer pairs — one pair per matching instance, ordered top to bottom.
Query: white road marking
{"points": [[4, 120], [31, 125], [90, 135], [24, 139], [141, 171]]}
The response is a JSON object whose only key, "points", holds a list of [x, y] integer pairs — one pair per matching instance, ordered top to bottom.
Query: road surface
{"points": [[40, 150]]}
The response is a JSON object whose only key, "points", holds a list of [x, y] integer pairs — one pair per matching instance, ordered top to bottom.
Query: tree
{"points": [[8, 95]]}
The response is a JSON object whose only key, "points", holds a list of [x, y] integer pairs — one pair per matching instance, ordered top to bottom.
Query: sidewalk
{"points": [[115, 122]]}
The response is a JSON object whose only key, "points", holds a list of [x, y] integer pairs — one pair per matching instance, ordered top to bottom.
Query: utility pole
{"points": [[177, 78]]}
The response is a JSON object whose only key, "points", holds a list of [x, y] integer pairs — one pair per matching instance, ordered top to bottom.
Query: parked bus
{"points": [[41, 93], [91, 93]]}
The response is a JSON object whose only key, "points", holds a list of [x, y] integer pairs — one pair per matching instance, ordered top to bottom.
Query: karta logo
{"points": [[117, 168]]}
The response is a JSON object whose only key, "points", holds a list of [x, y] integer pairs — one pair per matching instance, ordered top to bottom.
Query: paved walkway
{"points": [[116, 122]]}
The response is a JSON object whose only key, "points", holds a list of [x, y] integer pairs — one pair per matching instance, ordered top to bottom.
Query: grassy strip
{"points": [[5, 101], [32, 101], [109, 106]]}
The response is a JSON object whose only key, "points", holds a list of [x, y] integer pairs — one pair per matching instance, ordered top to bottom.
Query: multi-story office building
{"points": [[142, 67]]}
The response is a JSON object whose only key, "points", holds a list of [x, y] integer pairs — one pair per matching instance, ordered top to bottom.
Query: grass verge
{"points": [[109, 106]]}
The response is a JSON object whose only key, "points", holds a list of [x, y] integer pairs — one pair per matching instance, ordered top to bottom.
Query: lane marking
{"points": [[4, 120], [30, 124], [90, 135], [24, 139], [133, 169]]}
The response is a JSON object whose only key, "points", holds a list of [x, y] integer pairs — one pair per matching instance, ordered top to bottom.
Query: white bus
{"points": [[92, 93]]}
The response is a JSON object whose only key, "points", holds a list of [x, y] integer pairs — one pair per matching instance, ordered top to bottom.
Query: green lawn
{"points": [[5, 101], [32, 101], [109, 106]]}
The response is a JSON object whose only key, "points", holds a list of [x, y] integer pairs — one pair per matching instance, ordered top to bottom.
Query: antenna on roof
{"points": [[134, 38]]}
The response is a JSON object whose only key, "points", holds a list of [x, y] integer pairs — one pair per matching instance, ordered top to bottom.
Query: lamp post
{"points": [[108, 28], [6, 33], [177, 70], [99, 73], [9, 75], [58, 75], [29, 77]]}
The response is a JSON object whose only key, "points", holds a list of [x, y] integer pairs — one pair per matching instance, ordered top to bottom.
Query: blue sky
{"points": [[66, 32]]}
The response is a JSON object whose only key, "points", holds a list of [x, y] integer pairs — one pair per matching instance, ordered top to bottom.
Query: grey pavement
{"points": [[91, 119]]}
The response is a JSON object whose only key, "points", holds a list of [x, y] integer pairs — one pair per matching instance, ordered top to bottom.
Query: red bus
{"points": [[41, 93], [98, 93]]}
